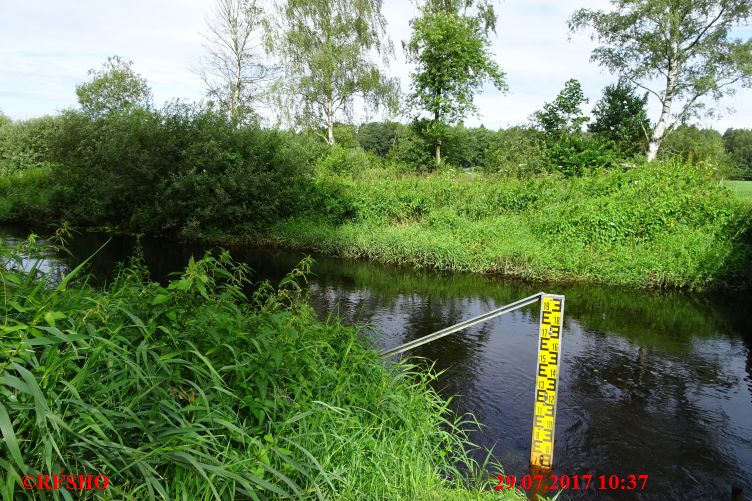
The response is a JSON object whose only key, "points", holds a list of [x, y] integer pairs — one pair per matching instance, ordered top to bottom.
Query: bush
{"points": [[345, 135], [379, 137], [738, 143], [26, 144], [691, 144], [413, 150], [518, 151], [577, 154], [347, 161], [154, 171]]}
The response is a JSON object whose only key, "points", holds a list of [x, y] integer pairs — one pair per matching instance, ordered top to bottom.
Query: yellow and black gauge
{"points": [[547, 380]]}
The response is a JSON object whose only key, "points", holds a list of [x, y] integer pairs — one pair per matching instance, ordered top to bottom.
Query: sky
{"points": [[47, 47]]}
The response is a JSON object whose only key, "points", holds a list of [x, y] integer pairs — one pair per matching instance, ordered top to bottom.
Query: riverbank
{"points": [[659, 225], [650, 226], [195, 390]]}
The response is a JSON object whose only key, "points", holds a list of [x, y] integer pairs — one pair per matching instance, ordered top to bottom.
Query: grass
{"points": [[741, 189], [658, 226], [204, 390]]}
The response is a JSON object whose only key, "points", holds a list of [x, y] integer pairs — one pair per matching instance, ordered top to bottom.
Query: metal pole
{"points": [[463, 325]]}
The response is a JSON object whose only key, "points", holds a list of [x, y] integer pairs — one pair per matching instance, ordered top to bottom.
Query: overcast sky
{"points": [[47, 46]]}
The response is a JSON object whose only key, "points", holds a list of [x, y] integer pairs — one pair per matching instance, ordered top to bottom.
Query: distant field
{"points": [[742, 189]]}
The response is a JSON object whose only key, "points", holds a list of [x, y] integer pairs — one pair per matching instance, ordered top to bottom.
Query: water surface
{"points": [[651, 383]]}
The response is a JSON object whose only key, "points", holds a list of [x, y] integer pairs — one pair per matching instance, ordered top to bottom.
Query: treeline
{"points": [[187, 166]]}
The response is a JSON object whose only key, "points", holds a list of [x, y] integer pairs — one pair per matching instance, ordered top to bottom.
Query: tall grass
{"points": [[654, 225], [202, 389]]}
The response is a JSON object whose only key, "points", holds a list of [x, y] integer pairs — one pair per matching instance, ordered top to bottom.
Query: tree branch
{"points": [[704, 30], [638, 84]]}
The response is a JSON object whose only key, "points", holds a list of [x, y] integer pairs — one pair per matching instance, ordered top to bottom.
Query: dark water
{"points": [[656, 384]]}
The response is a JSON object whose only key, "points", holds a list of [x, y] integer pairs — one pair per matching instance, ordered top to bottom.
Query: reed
{"points": [[208, 388]]}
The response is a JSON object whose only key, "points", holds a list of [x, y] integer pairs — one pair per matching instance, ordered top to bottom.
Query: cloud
{"points": [[47, 46]]}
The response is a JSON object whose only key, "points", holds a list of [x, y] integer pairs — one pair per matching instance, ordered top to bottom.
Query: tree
{"points": [[684, 44], [324, 46], [452, 53], [233, 71], [113, 87], [564, 115], [621, 117], [378, 137], [738, 143], [694, 145], [569, 150]]}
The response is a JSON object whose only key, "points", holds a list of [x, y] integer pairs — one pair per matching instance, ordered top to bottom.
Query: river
{"points": [[651, 383]]}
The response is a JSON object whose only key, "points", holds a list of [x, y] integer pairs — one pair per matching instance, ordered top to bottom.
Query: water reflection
{"points": [[657, 384]]}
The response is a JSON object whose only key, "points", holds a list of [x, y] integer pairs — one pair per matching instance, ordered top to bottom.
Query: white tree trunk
{"points": [[237, 87], [330, 122], [659, 132], [330, 133]]}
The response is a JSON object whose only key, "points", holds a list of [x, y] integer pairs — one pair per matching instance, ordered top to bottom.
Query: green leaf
{"points": [[159, 299], [51, 316], [9, 437]]}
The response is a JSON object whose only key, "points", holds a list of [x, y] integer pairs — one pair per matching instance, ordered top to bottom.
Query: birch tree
{"points": [[325, 48], [682, 52], [234, 70]]}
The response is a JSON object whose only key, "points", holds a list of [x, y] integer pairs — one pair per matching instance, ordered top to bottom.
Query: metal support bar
{"points": [[463, 325]]}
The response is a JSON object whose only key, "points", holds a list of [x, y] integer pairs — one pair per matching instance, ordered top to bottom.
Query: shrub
{"points": [[379, 137], [738, 143], [26, 144], [691, 144], [413, 150], [517, 151], [577, 154], [347, 161], [154, 171]]}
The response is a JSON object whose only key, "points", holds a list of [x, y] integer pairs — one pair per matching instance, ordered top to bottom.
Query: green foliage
{"points": [[685, 46], [325, 48], [452, 53], [114, 87], [564, 115], [620, 116], [345, 135], [378, 137], [738, 143], [26, 144], [697, 146], [412, 150], [518, 151], [570, 151], [577, 154], [347, 161], [158, 171], [28, 196], [636, 206], [653, 225], [201, 390]]}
